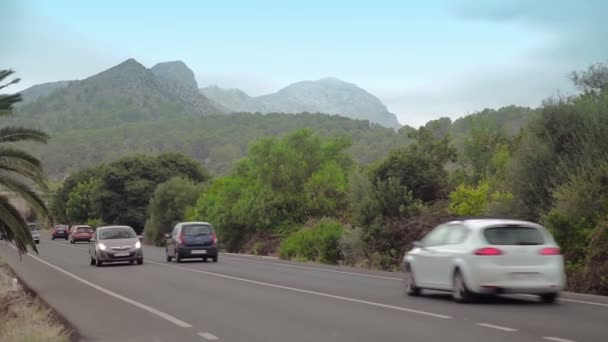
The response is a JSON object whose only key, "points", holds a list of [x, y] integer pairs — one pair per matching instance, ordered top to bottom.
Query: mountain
{"points": [[127, 92], [31, 94], [327, 95]]}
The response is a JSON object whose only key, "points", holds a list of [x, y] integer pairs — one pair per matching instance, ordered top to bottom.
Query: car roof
{"points": [[194, 222], [480, 223], [110, 227]]}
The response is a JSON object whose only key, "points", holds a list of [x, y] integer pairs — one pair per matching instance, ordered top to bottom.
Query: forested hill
{"points": [[219, 140]]}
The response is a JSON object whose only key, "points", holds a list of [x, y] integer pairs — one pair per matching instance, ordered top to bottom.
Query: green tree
{"points": [[420, 166], [20, 173], [127, 185], [61, 197], [168, 206], [79, 207]]}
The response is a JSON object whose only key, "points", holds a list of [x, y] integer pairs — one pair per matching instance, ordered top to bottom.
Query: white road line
{"points": [[253, 256], [313, 268], [356, 274], [321, 294], [151, 310], [497, 327], [208, 336], [557, 339]]}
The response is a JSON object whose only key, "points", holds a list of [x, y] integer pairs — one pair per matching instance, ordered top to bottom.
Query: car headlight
{"points": [[138, 244], [102, 246]]}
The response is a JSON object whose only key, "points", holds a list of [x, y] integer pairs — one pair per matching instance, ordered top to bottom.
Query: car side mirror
{"points": [[167, 235], [418, 244]]}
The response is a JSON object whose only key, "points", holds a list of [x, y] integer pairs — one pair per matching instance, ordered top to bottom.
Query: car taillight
{"points": [[214, 236], [180, 239], [488, 251], [550, 251]]}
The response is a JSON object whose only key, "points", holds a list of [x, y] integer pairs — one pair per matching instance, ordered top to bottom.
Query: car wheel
{"points": [[52, 238], [72, 241], [37, 242], [168, 256], [178, 258], [214, 258], [92, 260], [140, 261], [98, 262], [410, 283], [460, 292], [548, 298]]}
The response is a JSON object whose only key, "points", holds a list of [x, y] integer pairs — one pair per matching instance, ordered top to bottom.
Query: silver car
{"points": [[35, 230], [115, 244]]}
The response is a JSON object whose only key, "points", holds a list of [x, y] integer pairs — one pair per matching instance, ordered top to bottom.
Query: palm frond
{"points": [[4, 74], [8, 101], [14, 134], [17, 154], [23, 168], [26, 193], [14, 227]]}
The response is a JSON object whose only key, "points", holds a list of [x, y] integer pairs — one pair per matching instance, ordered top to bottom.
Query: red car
{"points": [[59, 232], [81, 233]]}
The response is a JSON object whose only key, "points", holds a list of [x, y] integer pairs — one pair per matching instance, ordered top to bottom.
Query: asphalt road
{"points": [[252, 299]]}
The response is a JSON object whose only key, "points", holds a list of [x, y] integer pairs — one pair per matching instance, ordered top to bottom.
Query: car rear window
{"points": [[197, 229], [84, 230], [117, 233], [514, 236]]}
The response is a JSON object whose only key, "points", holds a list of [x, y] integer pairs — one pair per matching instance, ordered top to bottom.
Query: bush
{"points": [[478, 200], [319, 243], [352, 246]]}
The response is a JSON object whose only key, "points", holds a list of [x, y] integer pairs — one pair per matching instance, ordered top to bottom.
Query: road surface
{"points": [[251, 299]]}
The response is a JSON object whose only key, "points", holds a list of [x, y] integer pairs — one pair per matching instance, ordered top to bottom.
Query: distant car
{"points": [[35, 230], [59, 232], [81, 233], [192, 240], [115, 244], [486, 256]]}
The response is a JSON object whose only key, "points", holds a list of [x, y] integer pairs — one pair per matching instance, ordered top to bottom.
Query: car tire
{"points": [[52, 238], [72, 241], [37, 242], [169, 258], [178, 258], [214, 258], [140, 261], [92, 262], [98, 262], [410, 287], [460, 291], [548, 298]]}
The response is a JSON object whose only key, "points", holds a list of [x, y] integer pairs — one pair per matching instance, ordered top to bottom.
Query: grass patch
{"points": [[24, 318]]}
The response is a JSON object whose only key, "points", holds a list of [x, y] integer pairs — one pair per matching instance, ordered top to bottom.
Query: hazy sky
{"points": [[423, 59]]}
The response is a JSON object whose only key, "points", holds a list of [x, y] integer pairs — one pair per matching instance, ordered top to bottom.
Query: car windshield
{"points": [[33, 227], [198, 229], [116, 233], [514, 236]]}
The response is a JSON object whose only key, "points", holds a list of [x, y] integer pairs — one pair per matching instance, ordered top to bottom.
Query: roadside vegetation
{"points": [[304, 195], [24, 318]]}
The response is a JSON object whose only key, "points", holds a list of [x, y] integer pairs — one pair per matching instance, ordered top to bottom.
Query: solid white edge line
{"points": [[313, 268], [294, 289], [571, 300], [151, 310], [497, 327], [208, 336], [557, 339]]}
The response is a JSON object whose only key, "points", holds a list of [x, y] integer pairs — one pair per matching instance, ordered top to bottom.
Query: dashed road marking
{"points": [[497, 327], [208, 336], [557, 339]]}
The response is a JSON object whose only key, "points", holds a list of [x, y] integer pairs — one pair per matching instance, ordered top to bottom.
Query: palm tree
{"points": [[20, 173]]}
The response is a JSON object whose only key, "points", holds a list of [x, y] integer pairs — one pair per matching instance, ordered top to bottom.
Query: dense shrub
{"points": [[318, 243]]}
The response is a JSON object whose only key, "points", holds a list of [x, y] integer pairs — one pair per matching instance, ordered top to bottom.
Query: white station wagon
{"points": [[486, 256]]}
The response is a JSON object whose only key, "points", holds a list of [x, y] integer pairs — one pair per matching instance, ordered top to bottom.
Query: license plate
{"points": [[199, 252], [121, 254], [523, 276]]}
